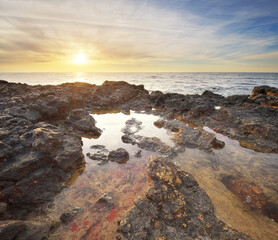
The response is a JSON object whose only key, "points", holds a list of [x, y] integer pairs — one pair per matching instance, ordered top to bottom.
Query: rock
{"points": [[264, 90], [111, 94], [51, 107], [80, 120], [159, 123], [132, 126], [128, 139], [154, 144], [217, 144], [98, 147], [138, 154], [101, 155], [120, 156], [45, 160], [250, 195], [107, 198], [3, 207], [175, 207], [68, 216], [24, 230]]}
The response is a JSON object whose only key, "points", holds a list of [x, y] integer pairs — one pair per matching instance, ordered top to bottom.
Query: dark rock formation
{"points": [[79, 120], [250, 120], [154, 144], [41, 147], [120, 156], [46, 159], [251, 195], [175, 207], [70, 215], [25, 230]]}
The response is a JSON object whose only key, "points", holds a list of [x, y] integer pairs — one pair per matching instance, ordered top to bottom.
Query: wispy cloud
{"points": [[132, 31]]}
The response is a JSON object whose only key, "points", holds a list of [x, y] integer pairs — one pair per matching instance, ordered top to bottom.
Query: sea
{"points": [[225, 84]]}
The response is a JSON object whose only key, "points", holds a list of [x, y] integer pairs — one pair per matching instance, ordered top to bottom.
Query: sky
{"points": [[139, 35]]}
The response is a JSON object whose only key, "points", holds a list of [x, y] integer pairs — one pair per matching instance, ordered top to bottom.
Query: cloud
{"points": [[127, 31], [263, 56]]}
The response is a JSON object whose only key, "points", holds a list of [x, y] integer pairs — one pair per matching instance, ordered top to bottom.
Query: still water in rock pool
{"points": [[239, 181], [122, 183]]}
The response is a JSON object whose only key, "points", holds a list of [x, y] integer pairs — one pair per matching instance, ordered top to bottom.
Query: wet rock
{"points": [[263, 90], [81, 121], [159, 123], [132, 126], [128, 139], [154, 144], [217, 144], [98, 147], [101, 154], [138, 154], [120, 156], [100, 157], [46, 159], [251, 195], [107, 198], [175, 207], [3, 208], [70, 215], [25, 230]]}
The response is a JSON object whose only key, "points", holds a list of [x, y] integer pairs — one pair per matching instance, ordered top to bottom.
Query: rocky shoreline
{"points": [[41, 149]]}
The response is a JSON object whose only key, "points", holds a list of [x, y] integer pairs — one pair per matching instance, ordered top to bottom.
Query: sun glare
{"points": [[80, 59]]}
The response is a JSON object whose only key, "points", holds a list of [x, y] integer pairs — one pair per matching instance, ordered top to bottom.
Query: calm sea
{"points": [[185, 83]]}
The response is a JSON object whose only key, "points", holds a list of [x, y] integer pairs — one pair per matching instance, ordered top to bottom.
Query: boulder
{"points": [[80, 120], [120, 156], [175, 207]]}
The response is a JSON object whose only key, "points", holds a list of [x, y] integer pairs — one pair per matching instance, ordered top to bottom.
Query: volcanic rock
{"points": [[120, 155]]}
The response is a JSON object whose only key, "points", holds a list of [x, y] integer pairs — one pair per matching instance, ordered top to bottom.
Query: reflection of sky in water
{"points": [[113, 123], [126, 181]]}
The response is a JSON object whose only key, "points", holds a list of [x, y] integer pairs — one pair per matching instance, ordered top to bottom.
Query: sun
{"points": [[80, 59]]}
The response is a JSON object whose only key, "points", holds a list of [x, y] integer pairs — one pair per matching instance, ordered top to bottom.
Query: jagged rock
{"points": [[80, 120], [132, 126], [128, 139], [154, 144], [138, 154], [120, 155], [45, 161], [107, 198], [3, 207], [175, 207], [71, 214], [24, 230]]}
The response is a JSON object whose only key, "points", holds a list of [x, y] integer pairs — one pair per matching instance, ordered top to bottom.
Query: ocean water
{"points": [[185, 83]]}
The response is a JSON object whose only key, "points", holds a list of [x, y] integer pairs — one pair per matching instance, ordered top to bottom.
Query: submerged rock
{"points": [[154, 144], [101, 154], [120, 156], [250, 195], [175, 207], [70, 215], [24, 230]]}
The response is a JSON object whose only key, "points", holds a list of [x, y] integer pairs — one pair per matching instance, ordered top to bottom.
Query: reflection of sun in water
{"points": [[80, 59]]}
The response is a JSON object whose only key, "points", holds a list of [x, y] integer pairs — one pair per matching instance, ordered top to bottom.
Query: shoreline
{"points": [[42, 126]]}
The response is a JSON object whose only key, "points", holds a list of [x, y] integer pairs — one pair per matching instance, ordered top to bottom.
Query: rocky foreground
{"points": [[41, 148]]}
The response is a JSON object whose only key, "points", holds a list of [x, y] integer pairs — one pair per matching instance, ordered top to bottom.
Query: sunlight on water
{"points": [[185, 83]]}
